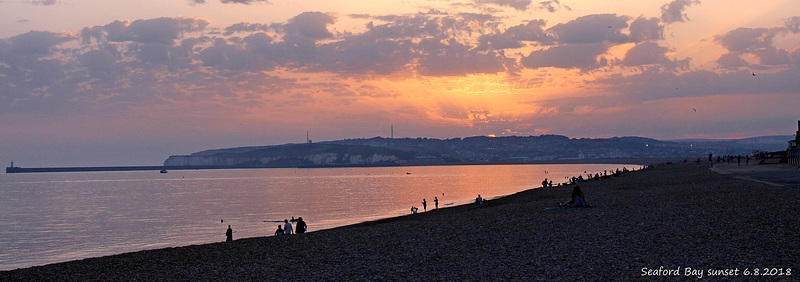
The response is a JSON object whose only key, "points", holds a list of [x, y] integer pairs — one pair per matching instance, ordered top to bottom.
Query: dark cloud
{"points": [[45, 2], [246, 2], [521, 5], [552, 6], [673, 12], [793, 24], [313, 25], [246, 27], [592, 29], [643, 29], [159, 30], [514, 36], [747, 39], [39, 43], [650, 53], [645, 54], [580, 56], [772, 56], [452, 58], [732, 60]]}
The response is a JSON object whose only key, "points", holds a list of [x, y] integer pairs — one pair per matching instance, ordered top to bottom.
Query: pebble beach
{"points": [[680, 220]]}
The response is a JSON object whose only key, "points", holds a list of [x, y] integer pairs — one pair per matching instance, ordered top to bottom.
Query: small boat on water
{"points": [[163, 170]]}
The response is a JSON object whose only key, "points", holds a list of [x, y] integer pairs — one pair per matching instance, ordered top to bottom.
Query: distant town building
{"points": [[793, 152]]}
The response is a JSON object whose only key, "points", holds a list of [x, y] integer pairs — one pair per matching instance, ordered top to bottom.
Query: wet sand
{"points": [[672, 220]]}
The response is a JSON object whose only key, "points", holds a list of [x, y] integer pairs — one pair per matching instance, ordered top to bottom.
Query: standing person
{"points": [[544, 182], [436, 202], [424, 205], [301, 226], [287, 227], [229, 234]]}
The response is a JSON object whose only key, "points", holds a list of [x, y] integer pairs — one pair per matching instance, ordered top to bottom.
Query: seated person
{"points": [[578, 199], [479, 200], [279, 231]]}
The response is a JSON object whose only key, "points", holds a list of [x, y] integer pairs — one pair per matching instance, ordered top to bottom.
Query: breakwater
{"points": [[107, 168]]}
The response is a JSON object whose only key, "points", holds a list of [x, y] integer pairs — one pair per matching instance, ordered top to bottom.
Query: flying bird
{"points": [[754, 74], [695, 110]]}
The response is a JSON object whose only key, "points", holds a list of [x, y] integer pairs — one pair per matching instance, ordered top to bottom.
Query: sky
{"points": [[97, 82]]}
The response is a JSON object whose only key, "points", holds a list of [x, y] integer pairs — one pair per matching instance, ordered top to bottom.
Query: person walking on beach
{"points": [[436, 202], [424, 205], [301, 226], [287, 227], [229, 234]]}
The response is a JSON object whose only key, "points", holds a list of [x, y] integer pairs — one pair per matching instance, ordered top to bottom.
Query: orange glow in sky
{"points": [[85, 80]]}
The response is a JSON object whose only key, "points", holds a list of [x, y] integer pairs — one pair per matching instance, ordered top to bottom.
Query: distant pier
{"points": [[14, 169]]}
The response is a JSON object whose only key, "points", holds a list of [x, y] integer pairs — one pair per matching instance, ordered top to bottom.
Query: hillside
{"points": [[481, 149]]}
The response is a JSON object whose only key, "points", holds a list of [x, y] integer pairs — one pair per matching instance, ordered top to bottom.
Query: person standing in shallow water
{"points": [[424, 205], [301, 226], [287, 227], [229, 234]]}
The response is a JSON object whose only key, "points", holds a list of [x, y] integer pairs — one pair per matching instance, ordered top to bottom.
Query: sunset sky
{"points": [[97, 82]]}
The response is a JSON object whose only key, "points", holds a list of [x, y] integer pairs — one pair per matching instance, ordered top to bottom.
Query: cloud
{"points": [[45, 2], [246, 2], [520, 5], [552, 6], [673, 12], [793, 24], [313, 25], [246, 27], [592, 29], [643, 29], [158, 30], [514, 36], [747, 39], [39, 43], [650, 53], [645, 54], [580, 56], [452, 58], [732, 60]]}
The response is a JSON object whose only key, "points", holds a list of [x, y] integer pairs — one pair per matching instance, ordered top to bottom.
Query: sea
{"points": [[56, 217]]}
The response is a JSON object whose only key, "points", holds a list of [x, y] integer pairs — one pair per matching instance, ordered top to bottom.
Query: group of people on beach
{"points": [[589, 176], [425, 205], [286, 228], [283, 229]]}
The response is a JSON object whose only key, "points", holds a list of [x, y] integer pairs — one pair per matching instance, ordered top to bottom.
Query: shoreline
{"points": [[16, 169], [700, 220]]}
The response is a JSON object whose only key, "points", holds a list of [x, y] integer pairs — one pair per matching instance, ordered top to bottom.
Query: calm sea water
{"points": [[56, 217]]}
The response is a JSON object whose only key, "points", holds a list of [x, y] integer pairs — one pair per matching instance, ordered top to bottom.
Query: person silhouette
{"points": [[578, 199], [436, 202], [424, 205], [301, 226], [287, 227], [279, 231], [229, 234]]}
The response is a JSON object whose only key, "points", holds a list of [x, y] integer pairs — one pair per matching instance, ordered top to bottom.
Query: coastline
{"points": [[16, 169], [681, 215]]}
